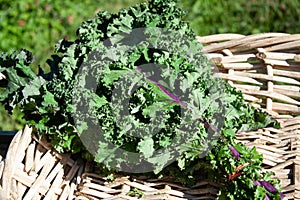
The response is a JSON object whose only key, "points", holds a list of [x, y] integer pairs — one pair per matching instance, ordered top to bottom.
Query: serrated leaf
{"points": [[111, 76], [33, 87], [48, 100], [97, 102], [146, 147], [160, 161], [181, 163]]}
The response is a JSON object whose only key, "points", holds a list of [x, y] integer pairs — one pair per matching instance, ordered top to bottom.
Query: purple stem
{"points": [[177, 100], [234, 152], [268, 186], [267, 197]]}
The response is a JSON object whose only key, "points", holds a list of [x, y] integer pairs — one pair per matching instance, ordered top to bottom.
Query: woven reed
{"points": [[265, 67], [33, 170]]}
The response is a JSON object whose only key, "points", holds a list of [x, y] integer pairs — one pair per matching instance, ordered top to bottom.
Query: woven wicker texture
{"points": [[265, 67], [33, 170], [97, 187]]}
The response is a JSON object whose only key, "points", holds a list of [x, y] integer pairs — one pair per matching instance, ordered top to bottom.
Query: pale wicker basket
{"points": [[265, 67]]}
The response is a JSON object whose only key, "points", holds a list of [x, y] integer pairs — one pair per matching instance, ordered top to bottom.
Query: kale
{"points": [[135, 93]]}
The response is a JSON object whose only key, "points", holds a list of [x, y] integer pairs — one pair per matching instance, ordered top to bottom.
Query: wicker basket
{"points": [[265, 67]]}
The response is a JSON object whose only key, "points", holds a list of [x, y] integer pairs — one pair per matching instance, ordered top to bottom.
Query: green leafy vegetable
{"points": [[135, 91]]}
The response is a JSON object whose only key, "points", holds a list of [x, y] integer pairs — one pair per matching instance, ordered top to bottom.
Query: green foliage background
{"points": [[38, 24]]}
